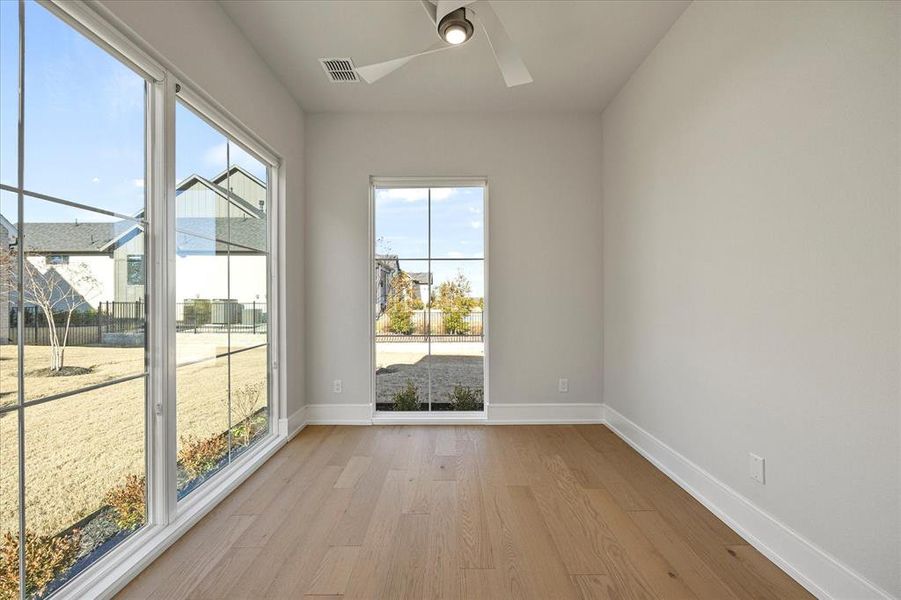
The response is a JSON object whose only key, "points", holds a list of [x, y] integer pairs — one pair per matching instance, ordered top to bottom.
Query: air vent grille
{"points": [[339, 70]]}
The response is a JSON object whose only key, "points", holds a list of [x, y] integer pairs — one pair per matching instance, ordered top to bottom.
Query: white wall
{"points": [[202, 42], [751, 261], [544, 281]]}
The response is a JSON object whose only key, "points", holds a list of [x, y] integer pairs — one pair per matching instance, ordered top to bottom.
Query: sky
{"points": [[84, 123], [457, 230]]}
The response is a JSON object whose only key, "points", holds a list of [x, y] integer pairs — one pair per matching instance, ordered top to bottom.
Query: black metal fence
{"points": [[217, 316], [123, 323], [442, 326], [83, 328]]}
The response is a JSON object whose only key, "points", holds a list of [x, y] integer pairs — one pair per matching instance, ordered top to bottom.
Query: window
{"points": [[135, 269], [429, 286], [118, 395], [72, 396]]}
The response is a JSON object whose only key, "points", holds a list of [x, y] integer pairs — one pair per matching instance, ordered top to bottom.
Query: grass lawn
{"points": [[79, 447]]}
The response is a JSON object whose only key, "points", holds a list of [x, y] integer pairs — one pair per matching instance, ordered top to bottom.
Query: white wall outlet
{"points": [[563, 385], [337, 386], [757, 466]]}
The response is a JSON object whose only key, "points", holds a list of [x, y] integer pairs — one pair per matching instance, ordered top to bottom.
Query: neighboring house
{"points": [[206, 214], [386, 267]]}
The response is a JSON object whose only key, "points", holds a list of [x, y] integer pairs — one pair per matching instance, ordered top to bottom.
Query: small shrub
{"points": [[400, 319], [455, 321], [407, 398], [465, 398], [245, 402], [199, 456], [128, 502], [46, 557]]}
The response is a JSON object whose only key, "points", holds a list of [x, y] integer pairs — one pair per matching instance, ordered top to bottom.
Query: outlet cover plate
{"points": [[757, 468]]}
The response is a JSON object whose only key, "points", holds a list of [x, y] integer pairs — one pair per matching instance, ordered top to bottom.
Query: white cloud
{"points": [[95, 180], [138, 182], [402, 194], [413, 194], [439, 194], [475, 224]]}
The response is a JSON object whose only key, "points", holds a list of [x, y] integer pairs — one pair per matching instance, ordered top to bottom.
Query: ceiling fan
{"points": [[454, 27]]}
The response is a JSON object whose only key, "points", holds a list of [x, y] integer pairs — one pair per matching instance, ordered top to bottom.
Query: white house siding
{"points": [[248, 189], [199, 201], [101, 267], [208, 277]]}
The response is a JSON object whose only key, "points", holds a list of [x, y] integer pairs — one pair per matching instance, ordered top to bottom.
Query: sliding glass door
{"points": [[221, 275], [428, 285], [73, 297], [137, 322]]}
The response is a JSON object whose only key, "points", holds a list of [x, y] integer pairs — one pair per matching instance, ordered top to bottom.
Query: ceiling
{"points": [[579, 53]]}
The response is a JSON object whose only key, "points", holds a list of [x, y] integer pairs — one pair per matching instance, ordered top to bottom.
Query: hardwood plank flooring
{"points": [[531, 512]]}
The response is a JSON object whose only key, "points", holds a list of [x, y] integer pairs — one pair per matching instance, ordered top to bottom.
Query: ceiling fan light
{"points": [[455, 28], [455, 34]]}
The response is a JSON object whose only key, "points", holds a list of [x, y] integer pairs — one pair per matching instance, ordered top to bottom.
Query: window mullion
{"points": [[161, 407]]}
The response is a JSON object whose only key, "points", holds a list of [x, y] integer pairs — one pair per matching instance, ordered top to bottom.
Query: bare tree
{"points": [[57, 297]]}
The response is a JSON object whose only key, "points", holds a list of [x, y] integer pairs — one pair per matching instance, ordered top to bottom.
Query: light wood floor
{"points": [[540, 512]]}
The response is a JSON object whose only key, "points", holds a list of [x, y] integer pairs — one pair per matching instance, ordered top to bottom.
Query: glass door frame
{"points": [[388, 417]]}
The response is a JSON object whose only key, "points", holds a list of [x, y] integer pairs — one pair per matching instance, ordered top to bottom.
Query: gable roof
{"points": [[217, 189], [247, 234], [208, 236], [73, 238]]}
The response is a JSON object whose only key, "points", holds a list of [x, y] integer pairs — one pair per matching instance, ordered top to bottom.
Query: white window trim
{"points": [[430, 417], [167, 519]]}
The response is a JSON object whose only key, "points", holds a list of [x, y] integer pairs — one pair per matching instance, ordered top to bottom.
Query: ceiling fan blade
{"points": [[446, 7], [431, 10], [508, 59], [374, 72]]}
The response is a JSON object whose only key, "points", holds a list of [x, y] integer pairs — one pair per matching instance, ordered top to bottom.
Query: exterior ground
{"points": [[447, 365], [79, 447]]}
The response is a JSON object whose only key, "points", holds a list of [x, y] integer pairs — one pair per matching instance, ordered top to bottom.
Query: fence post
{"points": [[253, 315], [35, 324]]}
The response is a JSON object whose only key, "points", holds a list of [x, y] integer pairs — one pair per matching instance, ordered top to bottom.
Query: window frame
{"points": [[444, 417], [166, 519]]}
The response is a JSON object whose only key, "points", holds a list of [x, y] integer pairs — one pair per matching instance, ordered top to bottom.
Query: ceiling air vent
{"points": [[339, 70]]}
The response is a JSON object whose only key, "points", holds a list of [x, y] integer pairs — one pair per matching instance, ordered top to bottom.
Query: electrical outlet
{"points": [[563, 385], [337, 386], [757, 467]]}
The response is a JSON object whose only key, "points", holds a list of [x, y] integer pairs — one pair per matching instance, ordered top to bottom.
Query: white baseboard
{"points": [[338, 414], [498, 414], [544, 414], [293, 425], [821, 574]]}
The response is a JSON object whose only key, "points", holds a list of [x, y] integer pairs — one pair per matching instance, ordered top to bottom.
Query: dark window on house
{"points": [[57, 259], [135, 269]]}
